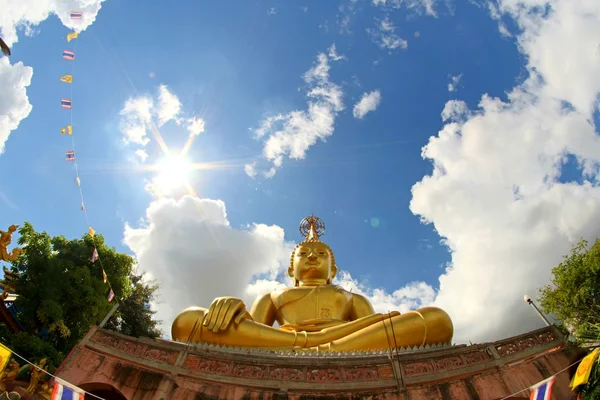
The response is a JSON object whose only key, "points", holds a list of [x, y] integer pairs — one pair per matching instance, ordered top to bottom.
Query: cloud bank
{"points": [[496, 195], [189, 247]]}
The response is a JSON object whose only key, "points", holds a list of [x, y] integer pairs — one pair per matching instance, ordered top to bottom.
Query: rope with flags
{"points": [[67, 104], [61, 389], [543, 390]]}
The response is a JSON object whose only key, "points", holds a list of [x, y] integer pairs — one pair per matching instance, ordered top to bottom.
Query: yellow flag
{"points": [[72, 35], [66, 78], [67, 130], [92, 231], [5, 354], [582, 375]]}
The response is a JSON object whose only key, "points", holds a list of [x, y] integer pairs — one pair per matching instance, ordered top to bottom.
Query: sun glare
{"points": [[173, 173]]}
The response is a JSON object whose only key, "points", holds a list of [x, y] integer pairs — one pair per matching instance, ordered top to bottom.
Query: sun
{"points": [[173, 173]]}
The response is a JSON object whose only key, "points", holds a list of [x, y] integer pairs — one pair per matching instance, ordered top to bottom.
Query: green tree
{"points": [[61, 293], [574, 296], [134, 317]]}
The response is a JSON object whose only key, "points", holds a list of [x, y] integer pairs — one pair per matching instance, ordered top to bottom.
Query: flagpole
{"points": [[110, 313]]}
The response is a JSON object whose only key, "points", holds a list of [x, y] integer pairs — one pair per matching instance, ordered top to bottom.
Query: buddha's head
{"points": [[312, 261]]}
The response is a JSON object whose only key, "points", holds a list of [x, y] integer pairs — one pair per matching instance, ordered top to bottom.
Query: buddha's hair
{"points": [[333, 264]]}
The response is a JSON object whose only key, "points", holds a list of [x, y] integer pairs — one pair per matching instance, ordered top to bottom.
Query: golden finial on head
{"points": [[312, 228]]}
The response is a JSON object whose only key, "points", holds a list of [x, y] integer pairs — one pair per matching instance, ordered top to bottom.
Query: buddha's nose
{"points": [[312, 256]]}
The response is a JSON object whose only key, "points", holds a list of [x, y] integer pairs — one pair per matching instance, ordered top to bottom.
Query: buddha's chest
{"points": [[304, 304]]}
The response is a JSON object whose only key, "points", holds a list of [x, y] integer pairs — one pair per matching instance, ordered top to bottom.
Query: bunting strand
{"points": [[69, 55], [552, 376], [58, 380]]}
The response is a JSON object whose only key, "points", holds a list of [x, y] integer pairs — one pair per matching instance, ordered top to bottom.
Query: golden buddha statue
{"points": [[313, 314]]}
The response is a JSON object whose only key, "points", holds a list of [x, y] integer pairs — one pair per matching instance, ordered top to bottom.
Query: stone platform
{"points": [[115, 366]]}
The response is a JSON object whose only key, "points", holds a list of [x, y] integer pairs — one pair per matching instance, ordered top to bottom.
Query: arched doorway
{"points": [[103, 390]]}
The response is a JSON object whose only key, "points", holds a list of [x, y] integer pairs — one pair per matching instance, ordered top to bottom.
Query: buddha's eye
{"points": [[321, 253]]}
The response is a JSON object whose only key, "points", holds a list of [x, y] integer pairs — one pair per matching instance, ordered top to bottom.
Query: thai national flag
{"points": [[76, 15], [68, 55], [65, 103], [543, 390], [65, 391]]}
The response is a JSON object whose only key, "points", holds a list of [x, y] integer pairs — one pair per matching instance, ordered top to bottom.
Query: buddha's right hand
{"points": [[223, 311]]}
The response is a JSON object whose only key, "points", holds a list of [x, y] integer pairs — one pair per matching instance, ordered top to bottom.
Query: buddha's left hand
{"points": [[223, 311]]}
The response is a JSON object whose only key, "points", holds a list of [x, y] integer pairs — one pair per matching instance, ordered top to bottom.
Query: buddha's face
{"points": [[312, 262]]}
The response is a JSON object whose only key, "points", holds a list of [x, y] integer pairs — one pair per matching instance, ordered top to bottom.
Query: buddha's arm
{"points": [[361, 307], [263, 310]]}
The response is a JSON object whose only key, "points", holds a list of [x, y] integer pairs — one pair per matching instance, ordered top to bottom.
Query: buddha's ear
{"points": [[333, 273], [291, 275]]}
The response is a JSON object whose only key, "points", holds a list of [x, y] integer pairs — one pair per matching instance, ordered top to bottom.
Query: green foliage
{"points": [[61, 293], [574, 296], [134, 316], [34, 349]]}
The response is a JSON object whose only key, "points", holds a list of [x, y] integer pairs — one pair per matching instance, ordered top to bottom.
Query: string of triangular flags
{"points": [[67, 104], [61, 388], [543, 390]]}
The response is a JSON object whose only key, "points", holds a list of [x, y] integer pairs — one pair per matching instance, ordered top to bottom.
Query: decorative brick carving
{"points": [[546, 337], [105, 340], [527, 343], [136, 349], [507, 349], [154, 354], [476, 357], [449, 363], [207, 365], [417, 368], [249, 371], [386, 372], [287, 374], [361, 374], [324, 375]]}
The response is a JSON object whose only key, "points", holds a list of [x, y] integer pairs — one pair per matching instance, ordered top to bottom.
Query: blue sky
{"points": [[235, 64]]}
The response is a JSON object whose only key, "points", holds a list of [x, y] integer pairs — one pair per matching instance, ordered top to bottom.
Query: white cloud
{"points": [[418, 6], [272, 11], [24, 15], [385, 37], [333, 54], [453, 85], [14, 103], [367, 103], [169, 105], [455, 110], [141, 115], [136, 116], [195, 126], [293, 133], [141, 154], [250, 170], [494, 193], [189, 247]]}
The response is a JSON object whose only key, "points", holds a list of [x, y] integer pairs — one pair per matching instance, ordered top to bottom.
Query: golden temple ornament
{"points": [[312, 228], [5, 241], [313, 315]]}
